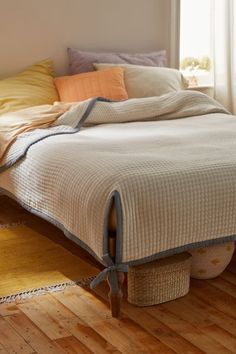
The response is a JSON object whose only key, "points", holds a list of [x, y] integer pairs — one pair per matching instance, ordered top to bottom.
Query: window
{"points": [[195, 41]]}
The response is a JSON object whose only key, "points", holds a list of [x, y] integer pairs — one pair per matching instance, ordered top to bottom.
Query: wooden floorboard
{"points": [[79, 321]]}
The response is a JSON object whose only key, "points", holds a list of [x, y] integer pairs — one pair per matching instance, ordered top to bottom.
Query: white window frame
{"points": [[174, 33], [175, 38]]}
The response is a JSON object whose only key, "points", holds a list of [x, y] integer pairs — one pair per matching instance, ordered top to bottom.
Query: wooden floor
{"points": [[77, 321]]}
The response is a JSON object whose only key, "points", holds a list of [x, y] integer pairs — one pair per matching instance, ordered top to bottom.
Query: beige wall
{"points": [[31, 30]]}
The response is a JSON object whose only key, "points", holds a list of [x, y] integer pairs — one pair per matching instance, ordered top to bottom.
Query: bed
{"points": [[131, 181]]}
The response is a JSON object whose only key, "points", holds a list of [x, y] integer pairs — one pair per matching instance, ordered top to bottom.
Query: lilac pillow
{"points": [[81, 62]]}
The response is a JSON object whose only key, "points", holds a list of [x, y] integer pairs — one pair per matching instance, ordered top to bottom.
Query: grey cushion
{"points": [[81, 62]]}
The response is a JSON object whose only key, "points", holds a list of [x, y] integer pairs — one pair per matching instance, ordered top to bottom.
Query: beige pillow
{"points": [[142, 81]]}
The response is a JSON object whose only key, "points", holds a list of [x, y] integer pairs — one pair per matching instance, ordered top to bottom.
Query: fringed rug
{"points": [[31, 264]]}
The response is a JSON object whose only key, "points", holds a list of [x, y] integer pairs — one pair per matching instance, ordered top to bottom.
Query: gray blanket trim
{"points": [[73, 131], [119, 227], [159, 255], [116, 265]]}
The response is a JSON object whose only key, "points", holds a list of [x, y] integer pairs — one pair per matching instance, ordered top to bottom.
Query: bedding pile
{"points": [[12, 124], [169, 164]]}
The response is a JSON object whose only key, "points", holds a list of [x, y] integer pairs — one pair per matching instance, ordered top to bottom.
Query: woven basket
{"points": [[159, 281]]}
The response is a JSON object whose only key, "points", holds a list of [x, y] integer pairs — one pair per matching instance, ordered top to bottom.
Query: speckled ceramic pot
{"points": [[209, 262]]}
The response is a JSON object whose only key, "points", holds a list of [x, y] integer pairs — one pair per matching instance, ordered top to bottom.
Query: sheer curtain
{"points": [[224, 52]]}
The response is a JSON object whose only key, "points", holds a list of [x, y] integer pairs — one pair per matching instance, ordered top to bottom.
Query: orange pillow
{"points": [[107, 83]]}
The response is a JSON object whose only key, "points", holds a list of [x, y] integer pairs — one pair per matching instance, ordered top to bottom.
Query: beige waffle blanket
{"points": [[170, 164]]}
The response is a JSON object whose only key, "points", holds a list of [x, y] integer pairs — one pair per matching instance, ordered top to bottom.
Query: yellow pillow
{"points": [[107, 83], [32, 87]]}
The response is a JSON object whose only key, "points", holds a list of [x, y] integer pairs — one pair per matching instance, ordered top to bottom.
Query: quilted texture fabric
{"points": [[81, 62], [107, 83], [32, 87], [175, 177]]}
